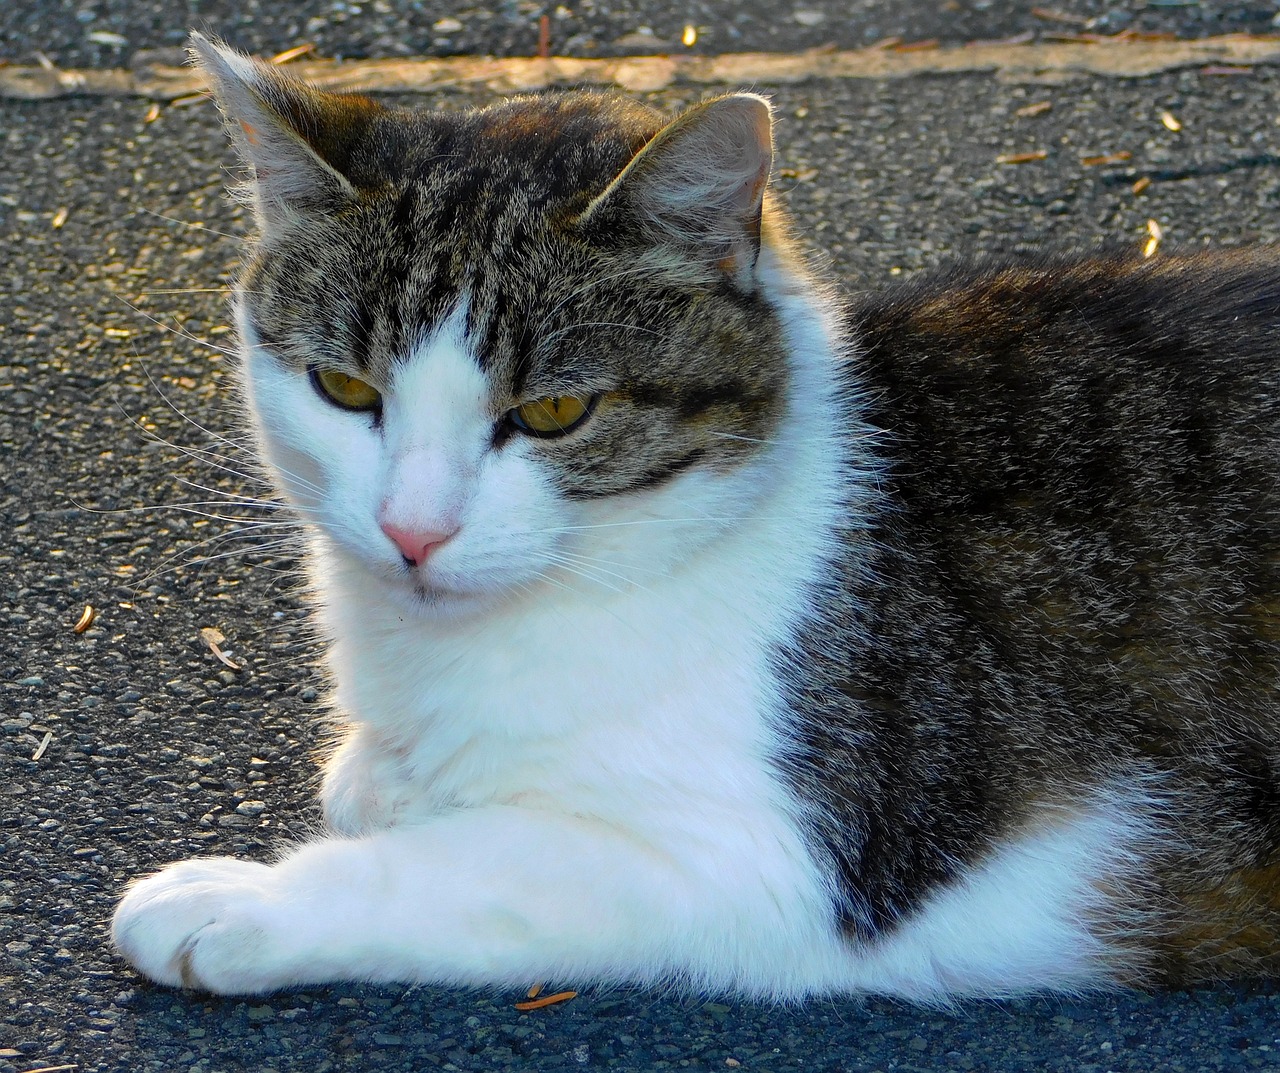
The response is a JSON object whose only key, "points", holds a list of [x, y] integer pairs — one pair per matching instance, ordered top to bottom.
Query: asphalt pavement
{"points": [[123, 487]]}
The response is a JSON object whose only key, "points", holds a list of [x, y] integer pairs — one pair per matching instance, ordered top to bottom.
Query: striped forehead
{"points": [[475, 206]]}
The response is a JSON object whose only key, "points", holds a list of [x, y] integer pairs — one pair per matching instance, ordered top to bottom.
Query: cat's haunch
{"points": [[694, 624]]}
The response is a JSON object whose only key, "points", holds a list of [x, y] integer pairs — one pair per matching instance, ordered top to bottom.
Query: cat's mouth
{"points": [[435, 595]]}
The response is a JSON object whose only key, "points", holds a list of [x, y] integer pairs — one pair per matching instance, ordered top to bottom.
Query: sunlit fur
{"points": [[749, 683]]}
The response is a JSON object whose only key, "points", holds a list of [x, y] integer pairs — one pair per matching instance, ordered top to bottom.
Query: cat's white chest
{"points": [[606, 707]]}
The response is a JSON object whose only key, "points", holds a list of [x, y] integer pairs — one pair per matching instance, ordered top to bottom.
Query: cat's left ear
{"points": [[298, 140], [699, 185]]}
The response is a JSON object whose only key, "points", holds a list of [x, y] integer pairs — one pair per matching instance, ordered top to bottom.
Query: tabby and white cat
{"points": [[692, 627]]}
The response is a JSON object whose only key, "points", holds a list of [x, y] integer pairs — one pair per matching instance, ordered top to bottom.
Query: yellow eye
{"points": [[345, 391], [553, 416]]}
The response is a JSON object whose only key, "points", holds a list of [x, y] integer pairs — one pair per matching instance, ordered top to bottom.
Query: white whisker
{"points": [[190, 224]]}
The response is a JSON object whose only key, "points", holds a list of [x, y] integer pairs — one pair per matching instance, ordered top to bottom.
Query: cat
{"points": [[696, 626]]}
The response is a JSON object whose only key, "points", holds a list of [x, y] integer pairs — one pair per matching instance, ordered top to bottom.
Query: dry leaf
{"points": [[1156, 233], [214, 638]]}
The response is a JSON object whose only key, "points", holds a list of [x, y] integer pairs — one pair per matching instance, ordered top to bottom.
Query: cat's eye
{"points": [[345, 391], [553, 416]]}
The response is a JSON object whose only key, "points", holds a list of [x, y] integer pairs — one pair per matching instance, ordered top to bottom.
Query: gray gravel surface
{"points": [[112, 33], [117, 405]]}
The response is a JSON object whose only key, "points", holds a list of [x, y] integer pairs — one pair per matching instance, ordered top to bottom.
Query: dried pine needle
{"points": [[917, 46], [292, 53], [1028, 110], [153, 113], [1171, 121], [1022, 158], [1106, 158], [1141, 184], [60, 218], [86, 618], [44, 744], [546, 1000]]}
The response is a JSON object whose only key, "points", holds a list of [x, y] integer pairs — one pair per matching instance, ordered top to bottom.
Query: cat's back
{"points": [[1080, 377], [1090, 449]]}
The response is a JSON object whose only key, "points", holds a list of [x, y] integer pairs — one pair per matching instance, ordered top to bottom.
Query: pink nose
{"points": [[415, 544]]}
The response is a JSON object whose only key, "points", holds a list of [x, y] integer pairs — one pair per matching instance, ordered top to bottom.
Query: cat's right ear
{"points": [[297, 140], [698, 187]]}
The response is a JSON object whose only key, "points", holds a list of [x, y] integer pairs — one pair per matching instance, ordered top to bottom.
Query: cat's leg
{"points": [[369, 785], [496, 895]]}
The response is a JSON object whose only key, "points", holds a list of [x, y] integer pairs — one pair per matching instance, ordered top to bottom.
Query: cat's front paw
{"points": [[205, 923]]}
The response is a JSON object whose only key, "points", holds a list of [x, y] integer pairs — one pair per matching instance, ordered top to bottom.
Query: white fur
{"points": [[561, 768], [1034, 916]]}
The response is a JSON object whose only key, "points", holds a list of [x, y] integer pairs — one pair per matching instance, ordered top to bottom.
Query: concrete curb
{"points": [[1119, 56]]}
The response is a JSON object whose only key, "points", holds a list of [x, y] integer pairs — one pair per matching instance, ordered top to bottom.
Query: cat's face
{"points": [[486, 358], [610, 503]]}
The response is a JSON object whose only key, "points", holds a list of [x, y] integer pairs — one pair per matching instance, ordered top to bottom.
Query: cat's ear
{"points": [[298, 140], [699, 185]]}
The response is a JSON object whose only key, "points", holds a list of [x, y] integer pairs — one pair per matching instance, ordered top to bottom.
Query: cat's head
{"points": [[522, 346]]}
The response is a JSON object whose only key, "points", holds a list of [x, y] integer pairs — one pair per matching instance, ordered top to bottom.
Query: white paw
{"points": [[367, 788], [206, 923]]}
